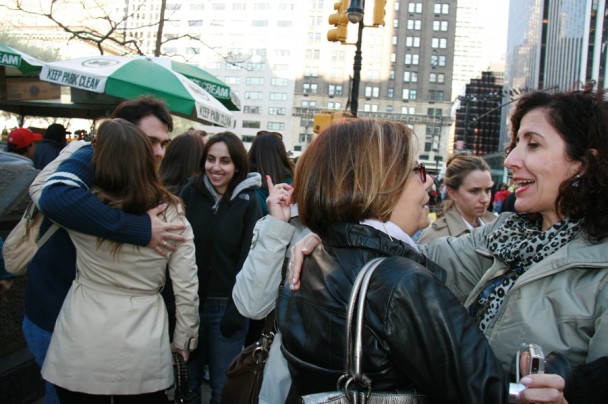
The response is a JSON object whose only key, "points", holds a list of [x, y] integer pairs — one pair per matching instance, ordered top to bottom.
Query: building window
{"points": [[261, 6], [414, 8], [441, 8], [259, 23], [395, 23], [284, 24], [414, 25], [440, 26], [394, 40], [412, 42], [439, 43], [393, 57], [411, 59], [437, 61], [255, 66], [391, 75], [410, 77], [437, 78], [232, 80], [255, 81], [275, 81], [308, 88], [333, 89], [372, 92], [390, 93], [254, 95], [436, 95], [278, 96], [309, 104], [370, 108], [250, 109], [389, 109], [408, 110], [276, 111], [437, 112], [251, 124], [275, 126]]}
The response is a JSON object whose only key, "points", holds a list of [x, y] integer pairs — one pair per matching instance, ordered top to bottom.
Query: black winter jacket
{"points": [[223, 229], [416, 332]]}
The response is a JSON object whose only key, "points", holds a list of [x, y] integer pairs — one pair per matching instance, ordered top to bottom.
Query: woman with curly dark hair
{"points": [[541, 275]]}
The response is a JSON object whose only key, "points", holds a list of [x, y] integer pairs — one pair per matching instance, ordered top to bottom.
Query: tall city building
{"points": [[556, 45], [275, 55], [478, 118]]}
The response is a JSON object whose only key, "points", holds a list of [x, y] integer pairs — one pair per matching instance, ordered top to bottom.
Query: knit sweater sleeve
{"points": [[67, 200]]}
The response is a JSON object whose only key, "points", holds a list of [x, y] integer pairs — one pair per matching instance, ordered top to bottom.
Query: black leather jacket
{"points": [[416, 332]]}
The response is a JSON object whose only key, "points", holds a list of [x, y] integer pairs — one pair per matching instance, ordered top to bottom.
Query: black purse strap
{"points": [[354, 326]]}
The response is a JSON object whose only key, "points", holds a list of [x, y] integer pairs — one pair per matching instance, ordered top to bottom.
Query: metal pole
{"points": [[354, 96], [466, 125]]}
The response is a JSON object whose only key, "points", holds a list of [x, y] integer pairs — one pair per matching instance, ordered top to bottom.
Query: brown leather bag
{"points": [[247, 369]]}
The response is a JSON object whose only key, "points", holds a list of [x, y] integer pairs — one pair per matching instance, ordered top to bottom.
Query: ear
{"points": [[452, 193]]}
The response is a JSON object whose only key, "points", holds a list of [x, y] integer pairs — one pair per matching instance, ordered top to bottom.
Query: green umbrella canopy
{"points": [[15, 59], [129, 77], [213, 85]]}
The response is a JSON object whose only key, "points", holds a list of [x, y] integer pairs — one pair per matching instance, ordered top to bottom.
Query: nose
{"points": [[159, 151], [513, 159], [429, 181], [486, 196]]}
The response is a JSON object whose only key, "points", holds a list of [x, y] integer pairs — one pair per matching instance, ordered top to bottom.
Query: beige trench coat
{"points": [[450, 224], [111, 336]]}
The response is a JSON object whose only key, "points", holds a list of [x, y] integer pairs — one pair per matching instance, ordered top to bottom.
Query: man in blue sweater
{"points": [[66, 200]]}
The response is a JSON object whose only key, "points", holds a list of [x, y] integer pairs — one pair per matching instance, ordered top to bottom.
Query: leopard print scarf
{"points": [[519, 243]]}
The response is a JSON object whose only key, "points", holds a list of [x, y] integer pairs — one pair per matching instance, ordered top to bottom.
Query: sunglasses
{"points": [[421, 170]]}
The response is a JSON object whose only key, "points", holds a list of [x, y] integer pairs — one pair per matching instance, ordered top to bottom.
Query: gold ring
{"points": [[164, 243]]}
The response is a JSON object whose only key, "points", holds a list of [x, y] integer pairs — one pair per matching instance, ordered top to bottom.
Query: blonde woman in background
{"points": [[469, 187]]}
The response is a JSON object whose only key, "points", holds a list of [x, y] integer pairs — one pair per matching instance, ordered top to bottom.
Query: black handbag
{"points": [[247, 369], [353, 386], [179, 392]]}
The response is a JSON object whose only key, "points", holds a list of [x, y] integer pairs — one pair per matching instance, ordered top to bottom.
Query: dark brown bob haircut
{"points": [[581, 119], [353, 171]]}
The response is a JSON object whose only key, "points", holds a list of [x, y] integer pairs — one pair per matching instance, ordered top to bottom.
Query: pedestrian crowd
{"points": [[187, 245]]}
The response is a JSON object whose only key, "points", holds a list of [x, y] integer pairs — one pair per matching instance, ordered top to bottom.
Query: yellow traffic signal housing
{"points": [[379, 12], [339, 19], [327, 117]]}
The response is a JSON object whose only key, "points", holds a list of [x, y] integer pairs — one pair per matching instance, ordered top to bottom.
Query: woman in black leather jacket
{"points": [[359, 188]]}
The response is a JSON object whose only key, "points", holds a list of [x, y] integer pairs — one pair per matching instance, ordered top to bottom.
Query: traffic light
{"points": [[379, 12], [340, 20], [328, 117]]}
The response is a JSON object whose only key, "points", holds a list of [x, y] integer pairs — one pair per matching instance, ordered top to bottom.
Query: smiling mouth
{"points": [[523, 183]]}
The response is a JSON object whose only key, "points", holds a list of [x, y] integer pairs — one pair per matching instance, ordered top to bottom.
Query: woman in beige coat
{"points": [[469, 185], [111, 338]]}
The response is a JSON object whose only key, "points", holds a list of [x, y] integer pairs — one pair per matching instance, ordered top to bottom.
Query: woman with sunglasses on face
{"points": [[469, 187], [351, 190], [541, 276]]}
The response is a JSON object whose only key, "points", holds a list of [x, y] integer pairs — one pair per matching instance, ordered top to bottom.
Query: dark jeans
{"points": [[38, 341], [215, 348], [72, 397]]}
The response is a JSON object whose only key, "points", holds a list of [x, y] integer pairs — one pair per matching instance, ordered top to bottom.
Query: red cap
{"points": [[22, 137]]}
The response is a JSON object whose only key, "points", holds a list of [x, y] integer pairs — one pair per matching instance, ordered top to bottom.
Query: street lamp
{"points": [[355, 11], [355, 15]]}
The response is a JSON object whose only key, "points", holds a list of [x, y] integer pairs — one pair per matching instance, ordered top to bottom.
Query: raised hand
{"points": [[279, 200]]}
